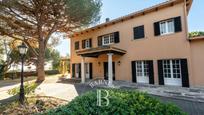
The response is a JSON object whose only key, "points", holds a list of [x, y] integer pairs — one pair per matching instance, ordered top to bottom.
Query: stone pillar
{"points": [[110, 69], [82, 70]]}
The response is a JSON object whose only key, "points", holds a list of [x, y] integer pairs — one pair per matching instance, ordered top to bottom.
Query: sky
{"points": [[116, 8]]}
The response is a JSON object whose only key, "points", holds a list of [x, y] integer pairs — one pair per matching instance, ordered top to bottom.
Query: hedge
{"points": [[31, 73], [122, 102]]}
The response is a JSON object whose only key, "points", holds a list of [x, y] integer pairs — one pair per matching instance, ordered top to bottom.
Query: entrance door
{"points": [[105, 64], [78, 70], [87, 70], [142, 71], [172, 72]]}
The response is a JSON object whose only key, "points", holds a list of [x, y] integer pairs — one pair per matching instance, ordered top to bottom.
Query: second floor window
{"points": [[167, 27], [139, 32], [108, 39], [87, 43], [76, 45]]}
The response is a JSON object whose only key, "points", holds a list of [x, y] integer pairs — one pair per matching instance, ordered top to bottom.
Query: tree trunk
{"points": [[41, 61]]}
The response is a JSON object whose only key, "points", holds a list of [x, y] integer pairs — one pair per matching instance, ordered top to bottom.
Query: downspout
{"points": [[190, 65]]}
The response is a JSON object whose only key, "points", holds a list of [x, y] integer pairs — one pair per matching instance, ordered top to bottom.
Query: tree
{"points": [[36, 20], [196, 34], [56, 59]]}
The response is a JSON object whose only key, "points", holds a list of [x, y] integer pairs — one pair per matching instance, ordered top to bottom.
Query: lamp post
{"points": [[22, 50]]}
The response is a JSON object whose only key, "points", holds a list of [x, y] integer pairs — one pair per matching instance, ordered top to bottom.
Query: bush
{"points": [[196, 34], [29, 88], [121, 102]]}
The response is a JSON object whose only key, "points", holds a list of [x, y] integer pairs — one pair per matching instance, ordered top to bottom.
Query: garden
{"points": [[122, 102]]}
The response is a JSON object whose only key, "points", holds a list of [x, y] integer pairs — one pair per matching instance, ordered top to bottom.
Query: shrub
{"points": [[196, 34], [29, 88], [123, 102]]}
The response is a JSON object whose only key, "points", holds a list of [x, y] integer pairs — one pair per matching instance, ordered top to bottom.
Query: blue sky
{"points": [[116, 8]]}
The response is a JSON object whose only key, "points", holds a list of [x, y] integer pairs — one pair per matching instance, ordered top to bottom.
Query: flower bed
{"points": [[33, 105]]}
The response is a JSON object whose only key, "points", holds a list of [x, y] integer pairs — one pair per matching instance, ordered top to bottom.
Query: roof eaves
{"points": [[130, 16]]}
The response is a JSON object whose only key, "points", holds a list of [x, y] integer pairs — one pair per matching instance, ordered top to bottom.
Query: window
{"points": [[167, 27], [139, 32], [108, 39], [87, 43], [77, 45], [77, 68], [87, 68], [142, 68], [172, 68]]}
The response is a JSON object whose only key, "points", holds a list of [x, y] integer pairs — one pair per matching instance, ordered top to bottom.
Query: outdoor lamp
{"points": [[22, 50], [119, 62]]}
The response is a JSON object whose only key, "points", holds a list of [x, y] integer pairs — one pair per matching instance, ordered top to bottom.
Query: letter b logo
{"points": [[99, 98]]}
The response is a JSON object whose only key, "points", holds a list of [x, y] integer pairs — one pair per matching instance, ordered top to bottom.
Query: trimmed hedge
{"points": [[31, 73], [122, 102]]}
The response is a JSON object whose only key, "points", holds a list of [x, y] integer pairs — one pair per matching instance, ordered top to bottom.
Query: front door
{"points": [[78, 70], [106, 70], [87, 71], [142, 71], [172, 72]]}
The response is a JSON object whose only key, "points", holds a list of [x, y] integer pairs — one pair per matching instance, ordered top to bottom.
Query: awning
{"points": [[95, 52]]}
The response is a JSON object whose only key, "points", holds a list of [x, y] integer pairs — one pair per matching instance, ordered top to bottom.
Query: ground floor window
{"points": [[77, 68], [87, 68], [142, 68], [172, 68], [142, 71], [172, 72]]}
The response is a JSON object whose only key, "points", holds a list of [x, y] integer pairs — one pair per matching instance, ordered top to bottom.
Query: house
{"points": [[149, 46]]}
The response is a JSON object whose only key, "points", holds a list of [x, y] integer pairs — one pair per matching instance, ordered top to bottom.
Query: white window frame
{"points": [[166, 27], [109, 38], [87, 44], [171, 70], [143, 73]]}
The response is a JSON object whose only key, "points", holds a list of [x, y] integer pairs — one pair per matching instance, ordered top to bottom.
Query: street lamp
{"points": [[22, 50]]}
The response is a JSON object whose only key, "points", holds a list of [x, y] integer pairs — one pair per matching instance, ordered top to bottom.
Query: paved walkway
{"points": [[191, 94]]}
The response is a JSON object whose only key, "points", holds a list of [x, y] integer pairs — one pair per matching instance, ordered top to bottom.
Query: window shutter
{"points": [[177, 24], [156, 29], [139, 32], [116, 37], [100, 41], [90, 42], [83, 44], [76, 45], [113, 64], [73, 70], [79, 70], [90, 70], [133, 72], [151, 72], [160, 72], [184, 72]]}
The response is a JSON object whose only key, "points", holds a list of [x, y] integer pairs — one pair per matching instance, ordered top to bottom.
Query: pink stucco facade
{"points": [[151, 47]]}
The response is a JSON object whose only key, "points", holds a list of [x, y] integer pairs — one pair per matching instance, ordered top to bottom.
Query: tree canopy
{"points": [[34, 21]]}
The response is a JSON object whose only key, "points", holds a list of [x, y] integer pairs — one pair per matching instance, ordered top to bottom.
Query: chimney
{"points": [[107, 19]]}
